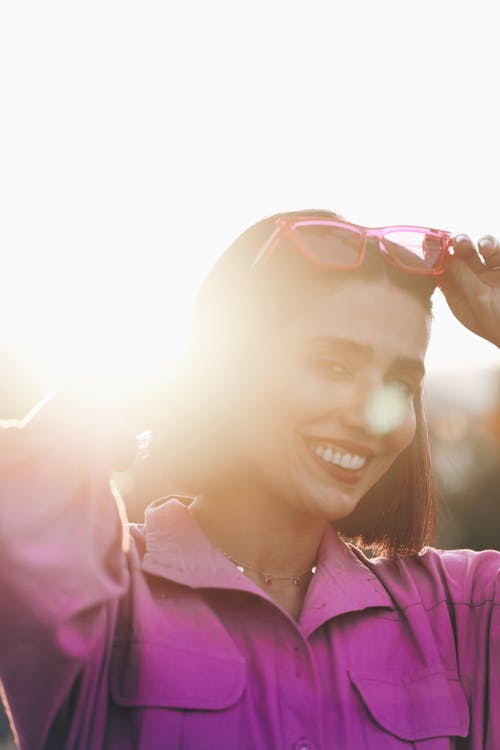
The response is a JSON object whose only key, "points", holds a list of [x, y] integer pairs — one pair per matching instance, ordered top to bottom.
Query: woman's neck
{"points": [[271, 537]]}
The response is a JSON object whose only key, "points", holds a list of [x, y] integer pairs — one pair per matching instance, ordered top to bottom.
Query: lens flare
{"points": [[386, 409]]}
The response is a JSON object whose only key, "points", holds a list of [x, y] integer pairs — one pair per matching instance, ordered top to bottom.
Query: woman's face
{"points": [[335, 406]]}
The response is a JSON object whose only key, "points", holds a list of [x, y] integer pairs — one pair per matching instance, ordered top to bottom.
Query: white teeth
{"points": [[328, 454], [335, 456], [345, 461]]}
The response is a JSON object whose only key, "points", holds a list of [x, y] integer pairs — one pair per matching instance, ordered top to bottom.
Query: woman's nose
{"points": [[377, 410]]}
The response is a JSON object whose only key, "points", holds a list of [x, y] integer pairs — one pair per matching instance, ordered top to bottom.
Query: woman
{"points": [[239, 616]]}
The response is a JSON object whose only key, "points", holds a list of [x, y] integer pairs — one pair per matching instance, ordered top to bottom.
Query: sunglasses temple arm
{"points": [[267, 247]]}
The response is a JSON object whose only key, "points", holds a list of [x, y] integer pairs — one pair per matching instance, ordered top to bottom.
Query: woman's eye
{"points": [[333, 367]]}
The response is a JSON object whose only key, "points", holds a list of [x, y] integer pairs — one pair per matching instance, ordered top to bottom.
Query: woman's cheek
{"points": [[298, 394], [313, 398], [401, 437]]}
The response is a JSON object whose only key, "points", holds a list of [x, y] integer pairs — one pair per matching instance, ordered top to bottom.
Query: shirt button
{"points": [[303, 745]]}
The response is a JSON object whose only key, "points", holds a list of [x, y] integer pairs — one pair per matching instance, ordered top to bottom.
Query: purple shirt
{"points": [[148, 637]]}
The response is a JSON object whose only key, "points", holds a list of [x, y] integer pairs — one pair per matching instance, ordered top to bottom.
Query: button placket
{"points": [[296, 670]]}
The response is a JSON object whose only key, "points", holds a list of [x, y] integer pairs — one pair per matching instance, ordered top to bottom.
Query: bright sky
{"points": [[138, 138]]}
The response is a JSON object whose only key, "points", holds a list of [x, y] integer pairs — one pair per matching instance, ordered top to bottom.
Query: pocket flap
{"points": [[158, 674], [415, 707]]}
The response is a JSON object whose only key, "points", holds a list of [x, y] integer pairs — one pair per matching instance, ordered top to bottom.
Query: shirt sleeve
{"points": [[62, 572], [470, 582], [478, 645], [493, 729]]}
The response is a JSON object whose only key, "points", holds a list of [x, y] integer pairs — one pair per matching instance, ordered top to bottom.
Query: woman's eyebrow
{"points": [[341, 343], [350, 346]]}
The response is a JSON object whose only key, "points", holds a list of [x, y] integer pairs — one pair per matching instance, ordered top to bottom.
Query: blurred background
{"points": [[138, 139]]}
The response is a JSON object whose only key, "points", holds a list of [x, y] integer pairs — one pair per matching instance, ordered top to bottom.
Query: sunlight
{"points": [[114, 209], [107, 324]]}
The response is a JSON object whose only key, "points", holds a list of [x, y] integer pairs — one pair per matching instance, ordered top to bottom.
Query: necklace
{"points": [[268, 577]]}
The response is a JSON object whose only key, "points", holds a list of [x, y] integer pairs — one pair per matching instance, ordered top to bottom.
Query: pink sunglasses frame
{"points": [[286, 225]]}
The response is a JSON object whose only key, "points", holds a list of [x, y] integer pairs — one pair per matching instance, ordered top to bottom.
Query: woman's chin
{"points": [[331, 504]]}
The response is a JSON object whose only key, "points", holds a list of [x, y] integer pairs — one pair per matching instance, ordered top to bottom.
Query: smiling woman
{"points": [[354, 338], [244, 613]]}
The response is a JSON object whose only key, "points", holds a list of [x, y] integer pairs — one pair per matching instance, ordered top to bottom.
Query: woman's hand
{"points": [[471, 285]]}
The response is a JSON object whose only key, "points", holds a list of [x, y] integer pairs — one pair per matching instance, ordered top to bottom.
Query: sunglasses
{"points": [[338, 244]]}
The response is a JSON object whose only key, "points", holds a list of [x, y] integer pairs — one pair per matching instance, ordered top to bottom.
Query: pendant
{"points": [[240, 568], [314, 569], [268, 580]]}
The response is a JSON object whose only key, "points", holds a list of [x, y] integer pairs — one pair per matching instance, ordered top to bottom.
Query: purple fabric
{"points": [[148, 637]]}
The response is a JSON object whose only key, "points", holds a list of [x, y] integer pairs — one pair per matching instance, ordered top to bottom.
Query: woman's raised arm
{"points": [[62, 570]]}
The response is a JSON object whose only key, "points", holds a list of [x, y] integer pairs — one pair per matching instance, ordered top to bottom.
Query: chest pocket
{"points": [[159, 674], [198, 693], [423, 706]]}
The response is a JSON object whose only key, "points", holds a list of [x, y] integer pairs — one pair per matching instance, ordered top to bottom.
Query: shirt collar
{"points": [[178, 549], [343, 583]]}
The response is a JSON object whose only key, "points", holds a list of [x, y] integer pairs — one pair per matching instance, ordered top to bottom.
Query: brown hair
{"points": [[235, 318]]}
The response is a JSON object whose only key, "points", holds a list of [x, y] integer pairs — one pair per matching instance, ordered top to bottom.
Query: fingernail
{"points": [[460, 238], [487, 241]]}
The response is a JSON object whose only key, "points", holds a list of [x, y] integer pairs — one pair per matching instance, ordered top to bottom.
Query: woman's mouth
{"points": [[347, 465]]}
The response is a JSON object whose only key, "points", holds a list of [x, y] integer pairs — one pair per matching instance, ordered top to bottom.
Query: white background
{"points": [[138, 138]]}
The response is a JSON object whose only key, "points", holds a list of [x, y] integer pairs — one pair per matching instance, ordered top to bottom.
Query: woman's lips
{"points": [[348, 476]]}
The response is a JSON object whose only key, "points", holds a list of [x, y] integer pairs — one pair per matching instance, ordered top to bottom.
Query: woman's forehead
{"points": [[373, 313]]}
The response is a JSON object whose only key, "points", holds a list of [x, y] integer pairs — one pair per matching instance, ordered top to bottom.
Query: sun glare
{"points": [[116, 328]]}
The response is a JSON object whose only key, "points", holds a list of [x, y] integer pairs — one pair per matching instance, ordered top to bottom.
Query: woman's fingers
{"points": [[489, 247], [465, 250], [484, 258]]}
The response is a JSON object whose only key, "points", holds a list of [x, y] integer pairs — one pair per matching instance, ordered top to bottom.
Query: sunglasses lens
{"points": [[329, 245], [418, 251]]}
